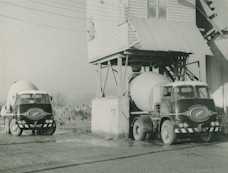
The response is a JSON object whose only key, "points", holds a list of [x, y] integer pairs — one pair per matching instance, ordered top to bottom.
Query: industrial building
{"points": [[185, 31]]}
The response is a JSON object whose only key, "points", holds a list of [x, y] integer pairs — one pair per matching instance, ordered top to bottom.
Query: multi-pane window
{"points": [[152, 8], [157, 8], [162, 8], [167, 91], [202, 92]]}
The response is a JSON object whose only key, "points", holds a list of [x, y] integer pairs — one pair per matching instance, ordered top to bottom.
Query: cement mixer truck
{"points": [[28, 108], [171, 109]]}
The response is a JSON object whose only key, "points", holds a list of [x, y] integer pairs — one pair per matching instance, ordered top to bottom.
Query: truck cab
{"points": [[187, 109], [32, 111]]}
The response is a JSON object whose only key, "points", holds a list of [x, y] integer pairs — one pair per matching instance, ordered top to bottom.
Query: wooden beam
{"points": [[120, 82]]}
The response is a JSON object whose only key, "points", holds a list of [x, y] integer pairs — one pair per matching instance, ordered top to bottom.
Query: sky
{"points": [[44, 41]]}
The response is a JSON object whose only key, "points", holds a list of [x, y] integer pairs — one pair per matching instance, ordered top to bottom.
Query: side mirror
{"points": [[51, 98]]}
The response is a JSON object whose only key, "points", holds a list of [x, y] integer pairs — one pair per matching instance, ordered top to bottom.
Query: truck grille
{"points": [[199, 113], [35, 114]]}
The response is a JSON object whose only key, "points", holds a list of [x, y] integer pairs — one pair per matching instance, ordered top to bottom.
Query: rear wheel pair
{"points": [[142, 128], [167, 131], [139, 132]]}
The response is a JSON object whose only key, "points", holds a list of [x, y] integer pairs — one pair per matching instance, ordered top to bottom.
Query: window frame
{"points": [[157, 9], [167, 88], [198, 92]]}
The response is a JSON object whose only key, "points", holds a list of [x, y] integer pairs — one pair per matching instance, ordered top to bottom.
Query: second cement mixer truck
{"points": [[28, 108], [171, 109]]}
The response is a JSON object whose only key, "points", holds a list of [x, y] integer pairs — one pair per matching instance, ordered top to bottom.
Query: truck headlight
{"points": [[49, 121], [213, 123], [181, 125], [185, 125]]}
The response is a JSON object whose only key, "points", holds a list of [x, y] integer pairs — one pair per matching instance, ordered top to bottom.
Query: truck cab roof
{"points": [[186, 83], [32, 92]]}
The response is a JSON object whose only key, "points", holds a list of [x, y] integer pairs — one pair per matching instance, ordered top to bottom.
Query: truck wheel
{"points": [[6, 126], [14, 129], [51, 130], [139, 132], [167, 132], [206, 137]]}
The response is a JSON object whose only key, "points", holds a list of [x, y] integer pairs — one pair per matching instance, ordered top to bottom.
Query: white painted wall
{"points": [[137, 8], [181, 11], [106, 22], [109, 32], [217, 70], [110, 117]]}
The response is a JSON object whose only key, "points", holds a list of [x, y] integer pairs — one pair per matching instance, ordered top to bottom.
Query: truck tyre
{"points": [[6, 125], [14, 129], [51, 130], [139, 132], [167, 132], [206, 137]]}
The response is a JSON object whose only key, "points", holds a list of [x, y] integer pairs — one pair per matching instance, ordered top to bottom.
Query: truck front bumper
{"points": [[35, 125], [189, 130]]}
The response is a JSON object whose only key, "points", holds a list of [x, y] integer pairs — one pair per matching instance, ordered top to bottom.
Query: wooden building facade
{"points": [[114, 26]]}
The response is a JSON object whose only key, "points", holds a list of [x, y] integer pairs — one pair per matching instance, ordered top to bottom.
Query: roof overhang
{"points": [[161, 35], [143, 57], [32, 92]]}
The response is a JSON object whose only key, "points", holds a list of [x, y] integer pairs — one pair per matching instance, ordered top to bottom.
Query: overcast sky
{"points": [[44, 41]]}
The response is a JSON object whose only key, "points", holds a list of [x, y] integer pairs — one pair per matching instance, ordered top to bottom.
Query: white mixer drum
{"points": [[18, 87], [145, 90]]}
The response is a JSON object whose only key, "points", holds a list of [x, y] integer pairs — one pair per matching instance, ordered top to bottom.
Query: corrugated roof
{"points": [[160, 35]]}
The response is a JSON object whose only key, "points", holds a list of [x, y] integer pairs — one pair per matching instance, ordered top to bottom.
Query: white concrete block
{"points": [[110, 116]]}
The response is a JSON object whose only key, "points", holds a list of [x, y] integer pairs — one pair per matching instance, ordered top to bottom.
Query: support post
{"points": [[106, 77], [126, 77], [120, 82], [99, 83]]}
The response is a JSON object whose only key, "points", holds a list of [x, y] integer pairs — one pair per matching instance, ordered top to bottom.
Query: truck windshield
{"points": [[184, 92], [202, 92], [33, 99]]}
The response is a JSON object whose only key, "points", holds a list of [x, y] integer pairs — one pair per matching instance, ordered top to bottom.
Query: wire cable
{"points": [[45, 3], [75, 5], [41, 10], [39, 24]]}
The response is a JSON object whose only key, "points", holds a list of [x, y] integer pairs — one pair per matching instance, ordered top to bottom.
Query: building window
{"points": [[152, 8], [157, 8], [162, 8]]}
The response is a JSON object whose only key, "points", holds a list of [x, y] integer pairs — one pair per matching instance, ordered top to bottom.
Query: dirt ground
{"points": [[73, 148], [70, 151]]}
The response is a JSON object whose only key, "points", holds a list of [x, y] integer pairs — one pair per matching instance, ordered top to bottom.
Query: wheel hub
{"points": [[137, 130]]}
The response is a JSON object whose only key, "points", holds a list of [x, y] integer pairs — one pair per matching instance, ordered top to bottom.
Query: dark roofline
{"points": [[142, 57]]}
